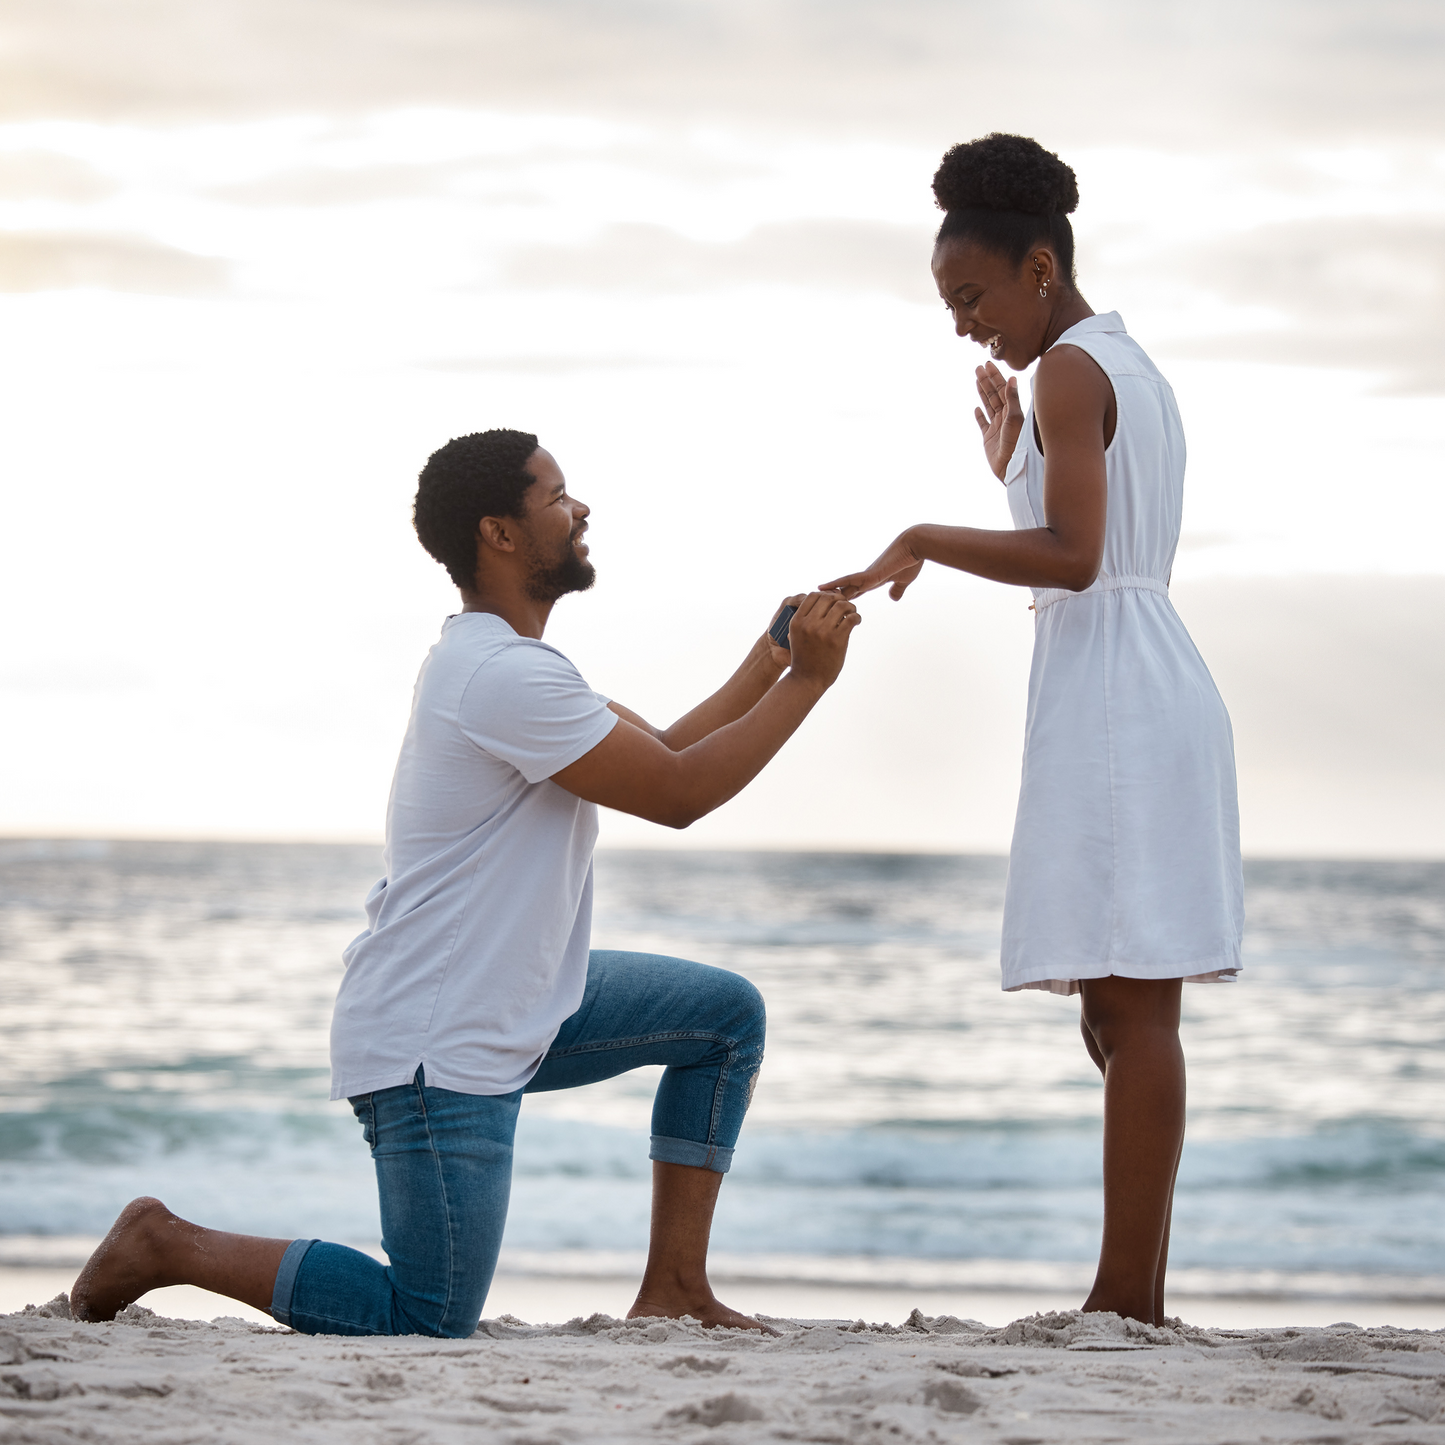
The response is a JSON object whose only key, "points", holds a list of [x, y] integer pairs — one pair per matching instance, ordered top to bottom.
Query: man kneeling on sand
{"points": [[474, 982]]}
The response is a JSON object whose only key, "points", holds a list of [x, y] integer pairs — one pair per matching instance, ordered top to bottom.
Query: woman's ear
{"points": [[1043, 271]]}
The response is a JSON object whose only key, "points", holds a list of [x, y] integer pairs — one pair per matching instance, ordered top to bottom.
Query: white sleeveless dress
{"points": [[1125, 855]]}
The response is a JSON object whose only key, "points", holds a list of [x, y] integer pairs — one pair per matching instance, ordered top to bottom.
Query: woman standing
{"points": [[1124, 877]]}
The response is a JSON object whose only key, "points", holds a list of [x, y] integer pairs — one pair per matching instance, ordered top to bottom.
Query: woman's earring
{"points": [[1044, 291]]}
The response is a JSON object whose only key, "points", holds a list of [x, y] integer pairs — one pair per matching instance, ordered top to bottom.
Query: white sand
{"points": [[545, 1295], [1061, 1377]]}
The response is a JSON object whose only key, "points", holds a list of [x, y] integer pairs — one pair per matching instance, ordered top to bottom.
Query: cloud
{"points": [[1165, 73], [43, 175], [334, 186], [831, 254], [54, 261], [1357, 293], [558, 365], [66, 675], [1336, 686]]}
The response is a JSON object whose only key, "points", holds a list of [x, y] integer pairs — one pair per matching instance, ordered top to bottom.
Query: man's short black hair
{"points": [[471, 477]]}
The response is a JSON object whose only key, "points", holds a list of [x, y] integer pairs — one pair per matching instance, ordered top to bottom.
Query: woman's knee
{"points": [[1120, 1012], [1092, 1044]]}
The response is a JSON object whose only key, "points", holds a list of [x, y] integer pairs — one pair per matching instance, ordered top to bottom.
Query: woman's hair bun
{"points": [[1005, 173]]}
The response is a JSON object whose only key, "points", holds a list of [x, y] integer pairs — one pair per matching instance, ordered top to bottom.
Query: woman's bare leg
{"points": [[1134, 1024], [1092, 1045], [148, 1247], [1163, 1266], [675, 1282]]}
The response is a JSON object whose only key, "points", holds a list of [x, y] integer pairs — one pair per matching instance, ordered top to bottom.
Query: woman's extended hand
{"points": [[1005, 416], [898, 565]]}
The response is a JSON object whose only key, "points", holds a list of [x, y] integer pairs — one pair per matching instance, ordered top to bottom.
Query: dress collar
{"points": [[1109, 321]]}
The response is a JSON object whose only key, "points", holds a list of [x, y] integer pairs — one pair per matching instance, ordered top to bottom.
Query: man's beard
{"points": [[548, 581]]}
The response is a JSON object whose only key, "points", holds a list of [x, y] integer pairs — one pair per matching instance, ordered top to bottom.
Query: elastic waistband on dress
{"points": [[1047, 598]]}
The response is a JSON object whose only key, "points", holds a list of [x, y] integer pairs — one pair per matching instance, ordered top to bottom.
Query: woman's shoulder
{"points": [[1106, 341], [1069, 377]]}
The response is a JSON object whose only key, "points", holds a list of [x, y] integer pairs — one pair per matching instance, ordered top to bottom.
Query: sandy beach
{"points": [[534, 1287], [1046, 1378]]}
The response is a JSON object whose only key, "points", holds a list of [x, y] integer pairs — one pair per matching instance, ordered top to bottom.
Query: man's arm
{"points": [[761, 668], [635, 771]]}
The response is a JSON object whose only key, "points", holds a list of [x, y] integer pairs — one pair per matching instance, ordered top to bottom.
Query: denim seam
{"points": [[640, 1039], [719, 1090], [446, 1205]]}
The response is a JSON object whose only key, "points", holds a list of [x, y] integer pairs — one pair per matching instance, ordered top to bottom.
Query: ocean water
{"points": [[165, 1008]]}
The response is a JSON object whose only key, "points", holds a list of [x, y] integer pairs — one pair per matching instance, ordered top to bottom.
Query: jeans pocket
{"points": [[365, 1111]]}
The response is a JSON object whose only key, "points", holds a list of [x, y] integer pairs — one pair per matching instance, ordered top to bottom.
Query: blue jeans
{"points": [[444, 1160]]}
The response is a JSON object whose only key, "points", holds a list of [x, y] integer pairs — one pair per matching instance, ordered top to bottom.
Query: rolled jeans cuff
{"points": [[689, 1151], [286, 1280]]}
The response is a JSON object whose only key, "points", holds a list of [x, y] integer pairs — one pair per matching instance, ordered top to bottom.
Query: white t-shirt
{"points": [[479, 932]]}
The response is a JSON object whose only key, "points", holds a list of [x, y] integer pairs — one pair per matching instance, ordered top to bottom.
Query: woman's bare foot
{"points": [[128, 1262], [672, 1303], [1100, 1304]]}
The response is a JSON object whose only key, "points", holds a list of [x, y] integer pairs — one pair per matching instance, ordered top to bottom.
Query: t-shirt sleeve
{"points": [[530, 707]]}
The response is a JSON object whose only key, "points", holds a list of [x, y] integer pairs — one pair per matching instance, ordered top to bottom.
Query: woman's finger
{"points": [[991, 389], [981, 419]]}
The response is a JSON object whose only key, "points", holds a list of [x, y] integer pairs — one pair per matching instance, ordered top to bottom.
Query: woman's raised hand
{"points": [[1001, 418], [898, 565]]}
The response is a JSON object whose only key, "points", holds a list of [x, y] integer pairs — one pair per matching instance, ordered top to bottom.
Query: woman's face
{"points": [[994, 302]]}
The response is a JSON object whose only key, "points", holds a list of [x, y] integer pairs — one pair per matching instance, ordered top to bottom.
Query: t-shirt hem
{"points": [[579, 749], [437, 1077]]}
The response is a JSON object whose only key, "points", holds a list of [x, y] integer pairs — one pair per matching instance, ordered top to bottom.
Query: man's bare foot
{"points": [[127, 1263], [702, 1304]]}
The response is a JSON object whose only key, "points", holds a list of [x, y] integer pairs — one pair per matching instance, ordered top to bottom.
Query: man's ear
{"points": [[495, 533]]}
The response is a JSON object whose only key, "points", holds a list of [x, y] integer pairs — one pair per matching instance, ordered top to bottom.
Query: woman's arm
{"points": [[1073, 406]]}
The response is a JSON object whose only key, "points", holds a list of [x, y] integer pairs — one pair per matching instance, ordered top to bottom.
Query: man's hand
{"points": [[818, 636], [780, 656], [638, 771]]}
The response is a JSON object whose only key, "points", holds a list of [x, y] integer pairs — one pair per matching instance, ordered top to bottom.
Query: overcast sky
{"points": [[258, 259]]}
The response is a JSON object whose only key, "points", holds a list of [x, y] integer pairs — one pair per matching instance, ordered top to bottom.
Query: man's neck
{"points": [[526, 617]]}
